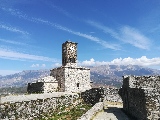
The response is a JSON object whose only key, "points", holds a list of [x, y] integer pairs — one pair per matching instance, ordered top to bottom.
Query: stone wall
{"points": [[69, 54], [72, 79], [44, 85], [111, 94], [93, 96], [141, 96], [34, 106], [90, 113]]}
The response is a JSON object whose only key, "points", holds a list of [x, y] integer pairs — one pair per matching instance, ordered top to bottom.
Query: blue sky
{"points": [[107, 32]]}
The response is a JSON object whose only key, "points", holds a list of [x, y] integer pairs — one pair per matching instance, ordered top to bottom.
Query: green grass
{"points": [[70, 113]]}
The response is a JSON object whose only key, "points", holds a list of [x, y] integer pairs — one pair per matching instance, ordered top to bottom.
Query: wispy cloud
{"points": [[61, 10], [15, 12], [13, 29], [105, 29], [126, 34], [87, 36], [90, 37], [134, 37], [12, 42], [12, 55]]}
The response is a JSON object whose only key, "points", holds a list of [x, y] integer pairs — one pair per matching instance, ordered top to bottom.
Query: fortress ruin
{"points": [[67, 78], [141, 96]]}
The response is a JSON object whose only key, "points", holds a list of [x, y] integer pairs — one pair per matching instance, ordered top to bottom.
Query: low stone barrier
{"points": [[34, 106], [90, 113]]}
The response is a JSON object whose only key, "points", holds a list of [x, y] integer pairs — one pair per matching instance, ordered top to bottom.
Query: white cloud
{"points": [[13, 29], [126, 34], [12, 55], [142, 61], [92, 62], [35, 65], [38, 65], [43, 65], [8, 72]]}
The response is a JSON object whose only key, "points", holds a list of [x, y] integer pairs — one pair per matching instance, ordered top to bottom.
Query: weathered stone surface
{"points": [[67, 78], [72, 79], [44, 85], [111, 94], [93, 95], [141, 96], [34, 106], [90, 113]]}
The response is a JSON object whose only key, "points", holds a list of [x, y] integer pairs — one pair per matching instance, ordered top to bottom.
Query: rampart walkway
{"points": [[112, 111]]}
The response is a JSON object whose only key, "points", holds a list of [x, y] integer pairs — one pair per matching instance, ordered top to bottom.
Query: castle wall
{"points": [[59, 74], [72, 79], [77, 79], [44, 85], [35, 87], [50, 87], [141, 96], [34, 106]]}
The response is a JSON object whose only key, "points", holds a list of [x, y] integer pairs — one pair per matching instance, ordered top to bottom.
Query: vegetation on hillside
{"points": [[13, 90], [70, 112]]}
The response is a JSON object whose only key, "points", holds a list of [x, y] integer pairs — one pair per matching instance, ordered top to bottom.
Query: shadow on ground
{"points": [[119, 113]]}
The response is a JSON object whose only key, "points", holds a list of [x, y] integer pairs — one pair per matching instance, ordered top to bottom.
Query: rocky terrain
{"points": [[105, 74]]}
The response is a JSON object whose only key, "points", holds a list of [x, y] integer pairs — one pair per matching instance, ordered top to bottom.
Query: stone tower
{"points": [[69, 54], [70, 77]]}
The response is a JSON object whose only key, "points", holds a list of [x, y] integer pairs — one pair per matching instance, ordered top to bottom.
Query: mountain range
{"points": [[104, 74]]}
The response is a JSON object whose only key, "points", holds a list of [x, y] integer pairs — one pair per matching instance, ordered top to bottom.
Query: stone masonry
{"points": [[70, 77], [67, 78], [44, 85], [141, 96], [35, 106]]}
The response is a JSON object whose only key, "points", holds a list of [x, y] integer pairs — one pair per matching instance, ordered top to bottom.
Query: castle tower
{"points": [[69, 54], [70, 77]]}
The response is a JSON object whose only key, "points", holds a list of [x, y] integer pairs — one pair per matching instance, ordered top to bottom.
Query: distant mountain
{"points": [[105, 74], [112, 74], [23, 78]]}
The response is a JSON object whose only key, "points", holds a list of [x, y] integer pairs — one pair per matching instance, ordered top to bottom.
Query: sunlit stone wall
{"points": [[72, 79], [34, 106]]}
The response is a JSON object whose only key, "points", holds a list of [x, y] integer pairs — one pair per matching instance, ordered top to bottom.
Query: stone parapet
{"points": [[34, 106], [90, 113]]}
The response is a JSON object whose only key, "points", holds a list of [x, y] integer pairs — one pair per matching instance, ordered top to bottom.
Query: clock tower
{"points": [[69, 54]]}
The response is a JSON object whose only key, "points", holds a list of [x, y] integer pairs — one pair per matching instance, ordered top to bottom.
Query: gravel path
{"points": [[111, 112]]}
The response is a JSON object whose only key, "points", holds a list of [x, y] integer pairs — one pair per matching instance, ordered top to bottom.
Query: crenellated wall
{"points": [[141, 96], [34, 106]]}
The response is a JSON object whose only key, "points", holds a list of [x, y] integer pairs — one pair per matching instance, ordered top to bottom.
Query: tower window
{"points": [[72, 60], [77, 84]]}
